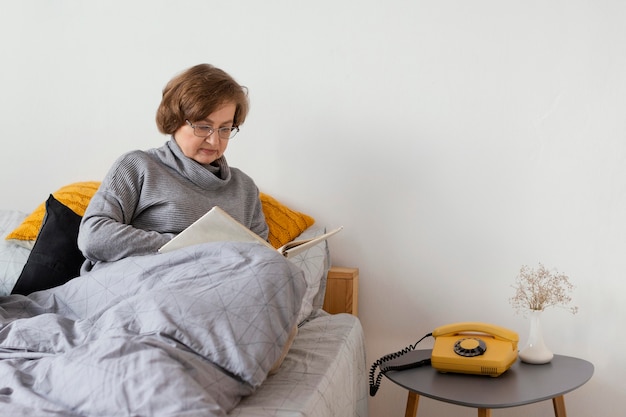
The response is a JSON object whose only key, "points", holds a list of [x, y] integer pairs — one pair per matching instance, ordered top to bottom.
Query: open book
{"points": [[218, 226]]}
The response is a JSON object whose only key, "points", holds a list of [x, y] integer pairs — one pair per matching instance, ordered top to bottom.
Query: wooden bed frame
{"points": [[342, 291]]}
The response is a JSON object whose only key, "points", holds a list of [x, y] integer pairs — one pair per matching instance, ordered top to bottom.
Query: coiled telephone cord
{"points": [[375, 380]]}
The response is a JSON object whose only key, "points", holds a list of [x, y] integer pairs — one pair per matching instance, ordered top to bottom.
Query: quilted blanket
{"points": [[188, 333]]}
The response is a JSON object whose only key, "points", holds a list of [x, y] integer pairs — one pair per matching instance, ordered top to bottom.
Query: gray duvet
{"points": [[188, 333]]}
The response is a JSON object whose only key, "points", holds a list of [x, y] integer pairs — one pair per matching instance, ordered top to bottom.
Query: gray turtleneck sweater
{"points": [[147, 197]]}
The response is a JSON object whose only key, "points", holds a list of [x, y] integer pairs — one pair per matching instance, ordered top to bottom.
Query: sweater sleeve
{"points": [[259, 224], [106, 233]]}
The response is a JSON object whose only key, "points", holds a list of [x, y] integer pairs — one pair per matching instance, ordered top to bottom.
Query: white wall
{"points": [[455, 141]]}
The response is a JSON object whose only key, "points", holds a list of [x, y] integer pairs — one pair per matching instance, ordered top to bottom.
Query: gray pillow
{"points": [[12, 256], [315, 263]]}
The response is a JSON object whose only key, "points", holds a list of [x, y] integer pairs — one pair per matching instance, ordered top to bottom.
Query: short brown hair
{"points": [[196, 93]]}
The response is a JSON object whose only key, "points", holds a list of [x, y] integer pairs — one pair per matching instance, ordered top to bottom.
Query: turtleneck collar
{"points": [[211, 176]]}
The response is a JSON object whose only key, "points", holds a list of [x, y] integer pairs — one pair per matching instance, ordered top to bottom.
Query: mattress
{"points": [[323, 375]]}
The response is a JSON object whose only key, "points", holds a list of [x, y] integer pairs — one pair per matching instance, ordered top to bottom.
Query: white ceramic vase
{"points": [[535, 351]]}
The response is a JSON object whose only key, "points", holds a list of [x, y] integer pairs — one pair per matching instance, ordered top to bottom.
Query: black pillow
{"points": [[55, 257]]}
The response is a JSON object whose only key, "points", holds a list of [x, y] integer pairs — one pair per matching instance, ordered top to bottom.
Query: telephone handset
{"points": [[497, 332], [465, 347]]}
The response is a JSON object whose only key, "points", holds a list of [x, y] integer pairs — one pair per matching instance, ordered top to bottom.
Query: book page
{"points": [[295, 247]]}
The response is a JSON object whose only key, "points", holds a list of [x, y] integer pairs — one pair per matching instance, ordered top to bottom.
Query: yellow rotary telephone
{"points": [[466, 347], [474, 348]]}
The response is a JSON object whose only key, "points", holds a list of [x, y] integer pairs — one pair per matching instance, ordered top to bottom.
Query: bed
{"points": [[147, 336]]}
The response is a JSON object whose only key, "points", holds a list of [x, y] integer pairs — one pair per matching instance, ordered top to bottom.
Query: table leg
{"points": [[411, 404], [559, 406], [484, 412]]}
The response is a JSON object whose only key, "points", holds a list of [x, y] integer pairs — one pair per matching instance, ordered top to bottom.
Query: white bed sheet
{"points": [[323, 375]]}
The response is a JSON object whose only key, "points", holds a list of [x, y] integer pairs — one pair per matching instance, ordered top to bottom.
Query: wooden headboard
{"points": [[342, 295]]}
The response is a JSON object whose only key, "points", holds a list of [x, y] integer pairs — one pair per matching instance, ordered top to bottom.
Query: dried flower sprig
{"points": [[537, 289]]}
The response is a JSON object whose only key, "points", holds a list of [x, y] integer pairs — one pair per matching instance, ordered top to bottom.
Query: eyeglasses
{"points": [[204, 131]]}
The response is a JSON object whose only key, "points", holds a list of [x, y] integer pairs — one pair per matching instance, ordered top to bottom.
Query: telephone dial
{"points": [[466, 347]]}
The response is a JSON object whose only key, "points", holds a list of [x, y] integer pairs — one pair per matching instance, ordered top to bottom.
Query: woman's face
{"points": [[206, 150]]}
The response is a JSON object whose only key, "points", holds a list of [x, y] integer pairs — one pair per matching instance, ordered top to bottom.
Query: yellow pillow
{"points": [[76, 196], [284, 223]]}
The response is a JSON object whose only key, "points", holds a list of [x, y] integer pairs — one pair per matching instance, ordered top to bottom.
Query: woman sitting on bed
{"points": [[149, 196]]}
